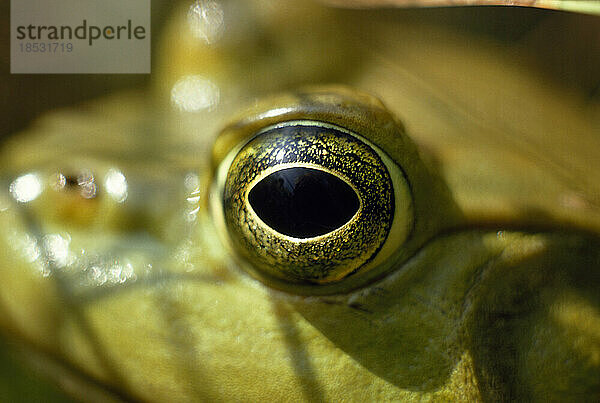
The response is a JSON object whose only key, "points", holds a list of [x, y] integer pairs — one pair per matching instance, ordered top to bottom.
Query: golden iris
{"points": [[307, 201]]}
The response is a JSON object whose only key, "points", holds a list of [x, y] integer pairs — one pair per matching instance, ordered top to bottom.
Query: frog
{"points": [[151, 252]]}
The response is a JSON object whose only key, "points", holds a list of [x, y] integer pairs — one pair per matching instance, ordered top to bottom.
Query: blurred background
{"points": [[565, 45], [25, 96]]}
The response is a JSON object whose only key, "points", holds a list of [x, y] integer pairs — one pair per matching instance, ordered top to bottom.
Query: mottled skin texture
{"points": [[315, 261], [496, 296]]}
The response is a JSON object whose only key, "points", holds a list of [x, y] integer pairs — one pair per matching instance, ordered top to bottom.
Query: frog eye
{"points": [[71, 197], [308, 198], [309, 201]]}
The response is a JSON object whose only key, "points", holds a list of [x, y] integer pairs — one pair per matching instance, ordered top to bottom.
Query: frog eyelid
{"points": [[422, 204]]}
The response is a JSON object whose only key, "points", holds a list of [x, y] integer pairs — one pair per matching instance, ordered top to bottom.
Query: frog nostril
{"points": [[84, 183], [303, 202]]}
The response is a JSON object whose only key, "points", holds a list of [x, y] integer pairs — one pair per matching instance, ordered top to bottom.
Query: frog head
{"points": [[244, 229]]}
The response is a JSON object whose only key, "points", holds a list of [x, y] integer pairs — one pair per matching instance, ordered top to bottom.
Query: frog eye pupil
{"points": [[303, 202]]}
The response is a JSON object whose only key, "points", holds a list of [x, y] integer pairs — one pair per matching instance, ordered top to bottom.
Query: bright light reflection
{"points": [[205, 20], [194, 94], [275, 112], [280, 155], [58, 181], [191, 182], [87, 185], [116, 185], [192, 187], [26, 188], [192, 215], [30, 248], [57, 248], [126, 273], [110, 274], [98, 275]]}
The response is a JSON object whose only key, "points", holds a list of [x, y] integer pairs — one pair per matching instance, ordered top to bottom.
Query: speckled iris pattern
{"points": [[322, 259]]}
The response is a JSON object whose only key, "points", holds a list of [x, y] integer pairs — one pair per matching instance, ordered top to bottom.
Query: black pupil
{"points": [[303, 202]]}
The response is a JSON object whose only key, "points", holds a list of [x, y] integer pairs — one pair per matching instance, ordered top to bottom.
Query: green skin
{"points": [[493, 295]]}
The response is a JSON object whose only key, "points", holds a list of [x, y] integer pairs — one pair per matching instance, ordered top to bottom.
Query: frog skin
{"points": [[120, 279]]}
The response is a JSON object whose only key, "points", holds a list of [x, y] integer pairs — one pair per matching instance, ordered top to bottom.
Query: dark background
{"points": [[25, 96]]}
